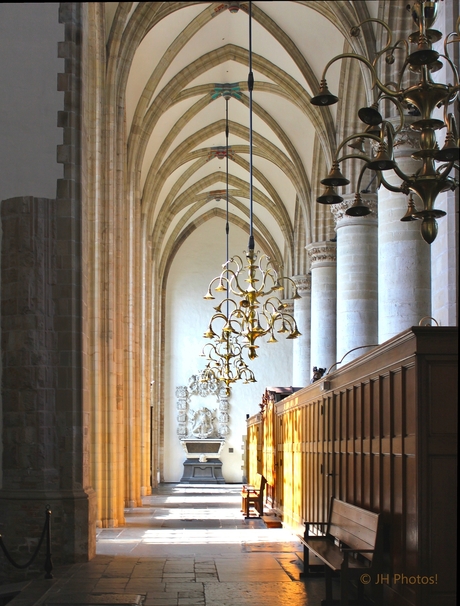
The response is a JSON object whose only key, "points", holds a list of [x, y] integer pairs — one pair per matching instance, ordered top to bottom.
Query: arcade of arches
{"points": [[113, 212]]}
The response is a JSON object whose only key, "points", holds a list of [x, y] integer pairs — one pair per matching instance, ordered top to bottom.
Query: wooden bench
{"points": [[252, 496], [350, 545]]}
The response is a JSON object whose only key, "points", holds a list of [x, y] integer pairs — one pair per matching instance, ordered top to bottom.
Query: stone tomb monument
{"points": [[202, 426]]}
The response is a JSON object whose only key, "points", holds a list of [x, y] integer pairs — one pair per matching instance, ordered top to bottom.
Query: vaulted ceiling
{"points": [[176, 63]]}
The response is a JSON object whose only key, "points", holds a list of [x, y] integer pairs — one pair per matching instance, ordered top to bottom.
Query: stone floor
{"points": [[189, 545]]}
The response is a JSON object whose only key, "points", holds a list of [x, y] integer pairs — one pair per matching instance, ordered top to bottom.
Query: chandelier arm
{"points": [[354, 32], [447, 41], [396, 47], [392, 49], [401, 73], [376, 81], [397, 85], [455, 88], [400, 110], [449, 121], [390, 130], [350, 138], [357, 156], [447, 168], [361, 174], [402, 175], [390, 187], [236, 259], [268, 265], [270, 272], [223, 278], [234, 281], [293, 284], [209, 294], [227, 300], [270, 302], [218, 315], [267, 317], [286, 319], [232, 320], [206, 345], [213, 351]]}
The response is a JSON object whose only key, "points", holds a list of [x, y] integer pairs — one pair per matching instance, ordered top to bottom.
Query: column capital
{"points": [[343, 220], [322, 254], [303, 284]]}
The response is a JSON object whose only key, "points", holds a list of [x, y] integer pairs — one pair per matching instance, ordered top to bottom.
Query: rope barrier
{"points": [[45, 532]]}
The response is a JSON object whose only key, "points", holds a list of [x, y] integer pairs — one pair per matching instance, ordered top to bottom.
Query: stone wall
{"points": [[41, 442]]}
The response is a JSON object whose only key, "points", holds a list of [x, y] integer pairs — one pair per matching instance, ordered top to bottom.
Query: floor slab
{"points": [[187, 546]]}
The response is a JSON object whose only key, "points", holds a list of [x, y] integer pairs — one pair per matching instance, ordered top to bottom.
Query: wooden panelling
{"points": [[381, 436], [254, 447]]}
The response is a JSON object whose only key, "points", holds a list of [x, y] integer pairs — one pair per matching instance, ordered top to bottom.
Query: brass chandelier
{"points": [[421, 99], [253, 309], [223, 352], [225, 362]]}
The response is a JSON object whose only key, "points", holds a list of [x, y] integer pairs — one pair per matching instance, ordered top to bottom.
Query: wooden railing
{"points": [[380, 433]]}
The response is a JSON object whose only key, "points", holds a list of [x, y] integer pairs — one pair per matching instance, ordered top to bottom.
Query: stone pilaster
{"points": [[404, 257], [323, 265], [357, 278], [301, 367]]}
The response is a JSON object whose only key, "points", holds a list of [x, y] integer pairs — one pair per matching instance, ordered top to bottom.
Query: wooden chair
{"points": [[252, 496]]}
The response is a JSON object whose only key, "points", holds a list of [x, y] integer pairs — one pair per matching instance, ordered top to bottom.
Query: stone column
{"points": [[404, 257], [323, 266], [357, 278], [301, 368], [42, 443]]}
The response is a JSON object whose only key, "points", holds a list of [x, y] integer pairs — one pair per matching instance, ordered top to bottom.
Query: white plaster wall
{"points": [[29, 100], [197, 263]]}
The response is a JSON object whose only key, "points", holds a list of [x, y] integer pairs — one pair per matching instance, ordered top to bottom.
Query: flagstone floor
{"points": [[189, 545]]}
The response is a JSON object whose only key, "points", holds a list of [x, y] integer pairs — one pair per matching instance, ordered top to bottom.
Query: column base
{"points": [[73, 528]]}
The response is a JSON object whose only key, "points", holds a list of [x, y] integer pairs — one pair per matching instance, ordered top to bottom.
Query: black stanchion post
{"points": [[48, 563]]}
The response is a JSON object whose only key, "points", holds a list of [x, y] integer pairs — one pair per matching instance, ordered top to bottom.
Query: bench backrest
{"points": [[259, 482], [356, 527]]}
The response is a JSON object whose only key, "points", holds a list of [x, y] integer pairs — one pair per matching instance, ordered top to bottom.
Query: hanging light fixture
{"points": [[421, 99], [251, 285], [223, 352]]}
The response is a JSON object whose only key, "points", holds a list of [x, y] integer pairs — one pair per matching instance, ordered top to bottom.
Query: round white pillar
{"points": [[404, 257], [357, 278], [323, 303], [301, 369]]}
